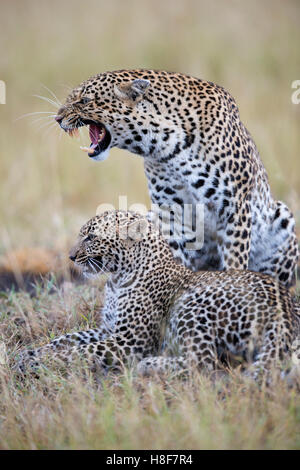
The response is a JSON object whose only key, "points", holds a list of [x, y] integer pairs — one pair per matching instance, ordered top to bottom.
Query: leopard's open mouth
{"points": [[100, 140]]}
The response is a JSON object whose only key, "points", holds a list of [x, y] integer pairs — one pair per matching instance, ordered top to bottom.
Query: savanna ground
{"points": [[48, 188]]}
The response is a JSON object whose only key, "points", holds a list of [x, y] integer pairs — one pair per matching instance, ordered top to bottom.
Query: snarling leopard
{"points": [[197, 155]]}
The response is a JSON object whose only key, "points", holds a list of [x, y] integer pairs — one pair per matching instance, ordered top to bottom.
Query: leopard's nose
{"points": [[60, 114], [58, 118], [72, 254]]}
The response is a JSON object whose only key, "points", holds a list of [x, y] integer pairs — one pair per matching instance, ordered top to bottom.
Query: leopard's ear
{"points": [[134, 90]]}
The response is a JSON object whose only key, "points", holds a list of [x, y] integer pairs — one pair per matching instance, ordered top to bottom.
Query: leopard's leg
{"points": [[235, 237], [275, 250], [81, 337], [63, 342], [275, 347], [197, 352], [111, 353], [161, 365], [177, 365], [293, 374]]}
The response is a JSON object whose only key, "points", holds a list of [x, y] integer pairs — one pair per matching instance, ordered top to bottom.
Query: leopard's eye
{"points": [[85, 100]]}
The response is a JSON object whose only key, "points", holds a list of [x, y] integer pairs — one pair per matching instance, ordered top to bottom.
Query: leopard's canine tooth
{"points": [[87, 149]]}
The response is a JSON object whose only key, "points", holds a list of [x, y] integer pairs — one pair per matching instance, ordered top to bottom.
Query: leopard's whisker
{"points": [[68, 87], [53, 94], [48, 100], [34, 113], [50, 118], [46, 125], [50, 127], [60, 133], [96, 264], [91, 265]]}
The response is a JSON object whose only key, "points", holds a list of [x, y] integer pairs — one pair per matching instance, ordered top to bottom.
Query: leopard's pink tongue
{"points": [[94, 134]]}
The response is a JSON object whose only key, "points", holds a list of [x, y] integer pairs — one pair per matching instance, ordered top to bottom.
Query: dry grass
{"points": [[48, 188], [126, 412]]}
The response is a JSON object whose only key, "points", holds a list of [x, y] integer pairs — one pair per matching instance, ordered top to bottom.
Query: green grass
{"points": [[49, 188]]}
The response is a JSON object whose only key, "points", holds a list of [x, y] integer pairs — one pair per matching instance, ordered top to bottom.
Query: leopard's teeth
{"points": [[73, 132], [101, 135], [87, 149]]}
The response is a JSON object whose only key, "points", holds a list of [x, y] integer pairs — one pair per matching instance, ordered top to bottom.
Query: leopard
{"points": [[201, 164], [161, 317]]}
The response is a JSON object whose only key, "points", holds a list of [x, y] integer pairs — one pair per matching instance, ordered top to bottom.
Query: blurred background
{"points": [[48, 187]]}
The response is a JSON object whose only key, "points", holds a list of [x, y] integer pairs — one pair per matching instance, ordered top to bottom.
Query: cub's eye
{"points": [[85, 100], [91, 237]]}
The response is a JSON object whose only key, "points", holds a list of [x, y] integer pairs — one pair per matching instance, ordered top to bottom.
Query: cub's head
{"points": [[133, 110], [112, 242]]}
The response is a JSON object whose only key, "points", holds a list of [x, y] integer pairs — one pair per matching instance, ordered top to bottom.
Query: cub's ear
{"points": [[134, 90], [135, 231]]}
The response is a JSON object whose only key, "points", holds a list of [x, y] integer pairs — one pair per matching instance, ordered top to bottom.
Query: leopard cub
{"points": [[202, 314]]}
